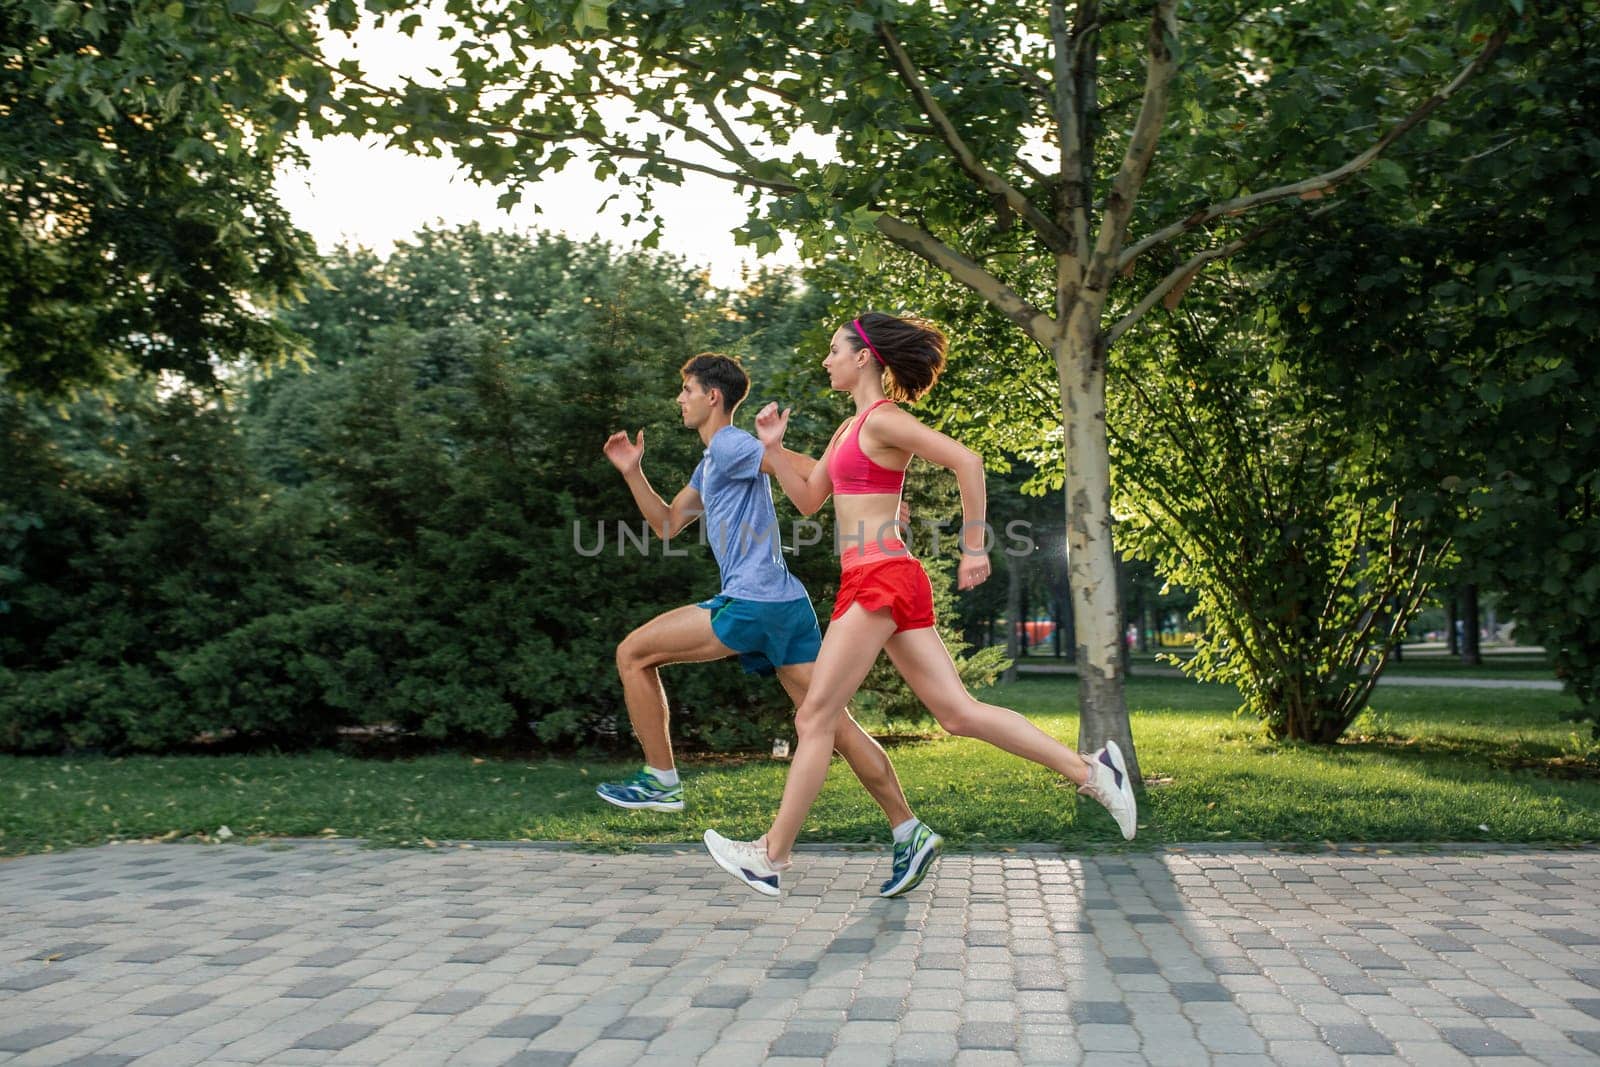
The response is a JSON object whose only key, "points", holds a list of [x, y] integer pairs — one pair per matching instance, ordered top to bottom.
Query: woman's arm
{"points": [[894, 427], [807, 487]]}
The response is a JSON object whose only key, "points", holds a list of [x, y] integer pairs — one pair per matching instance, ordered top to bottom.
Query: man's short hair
{"points": [[716, 371]]}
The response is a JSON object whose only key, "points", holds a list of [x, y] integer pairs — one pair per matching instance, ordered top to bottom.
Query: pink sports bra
{"points": [[853, 472]]}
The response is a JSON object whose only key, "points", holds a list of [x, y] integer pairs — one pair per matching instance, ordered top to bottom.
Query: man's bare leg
{"points": [[682, 635]]}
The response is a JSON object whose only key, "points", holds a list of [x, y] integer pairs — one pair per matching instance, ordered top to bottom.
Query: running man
{"points": [[762, 613]]}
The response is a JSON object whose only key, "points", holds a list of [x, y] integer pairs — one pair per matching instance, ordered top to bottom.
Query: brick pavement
{"points": [[326, 952]]}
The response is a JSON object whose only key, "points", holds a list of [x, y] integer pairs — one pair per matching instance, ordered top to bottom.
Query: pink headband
{"points": [[875, 353]]}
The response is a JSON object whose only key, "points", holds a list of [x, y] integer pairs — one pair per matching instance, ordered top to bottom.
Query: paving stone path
{"points": [[326, 952]]}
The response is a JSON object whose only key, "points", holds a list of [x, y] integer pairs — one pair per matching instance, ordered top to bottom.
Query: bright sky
{"points": [[362, 193]]}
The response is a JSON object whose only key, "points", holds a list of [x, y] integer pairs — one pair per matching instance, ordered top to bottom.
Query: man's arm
{"points": [[665, 519]]}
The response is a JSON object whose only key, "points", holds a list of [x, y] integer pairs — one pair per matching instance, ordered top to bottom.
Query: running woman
{"points": [[885, 602], [762, 613]]}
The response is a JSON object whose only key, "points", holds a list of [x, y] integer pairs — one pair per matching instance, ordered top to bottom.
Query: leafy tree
{"points": [[997, 161], [138, 226], [1468, 338], [460, 446], [1251, 482], [138, 534], [384, 535]]}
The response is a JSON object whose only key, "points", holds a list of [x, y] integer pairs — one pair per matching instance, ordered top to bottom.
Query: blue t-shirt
{"points": [[739, 520]]}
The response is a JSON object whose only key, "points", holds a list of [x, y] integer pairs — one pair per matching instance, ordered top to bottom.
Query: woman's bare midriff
{"points": [[864, 518]]}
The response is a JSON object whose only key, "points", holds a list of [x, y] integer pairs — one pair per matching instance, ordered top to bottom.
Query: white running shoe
{"points": [[1109, 784], [746, 861]]}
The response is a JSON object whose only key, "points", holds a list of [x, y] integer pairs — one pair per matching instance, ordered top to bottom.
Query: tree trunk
{"points": [[1013, 606], [1097, 615], [1024, 616], [1451, 618], [1146, 624], [1055, 629], [1069, 631], [1470, 654]]}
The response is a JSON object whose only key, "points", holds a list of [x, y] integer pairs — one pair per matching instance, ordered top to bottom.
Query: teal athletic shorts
{"points": [[767, 635]]}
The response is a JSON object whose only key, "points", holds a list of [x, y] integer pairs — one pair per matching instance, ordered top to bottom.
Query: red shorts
{"points": [[879, 581]]}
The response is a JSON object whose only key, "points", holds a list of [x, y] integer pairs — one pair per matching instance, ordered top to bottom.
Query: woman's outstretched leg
{"points": [[924, 662]]}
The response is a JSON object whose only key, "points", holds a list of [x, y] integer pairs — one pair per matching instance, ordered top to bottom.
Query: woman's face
{"points": [[842, 359]]}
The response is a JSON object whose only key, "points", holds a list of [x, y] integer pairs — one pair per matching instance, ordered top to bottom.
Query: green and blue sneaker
{"points": [[643, 790], [913, 859]]}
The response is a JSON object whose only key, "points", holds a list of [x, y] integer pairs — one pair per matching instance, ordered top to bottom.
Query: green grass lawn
{"points": [[1510, 666], [1423, 765]]}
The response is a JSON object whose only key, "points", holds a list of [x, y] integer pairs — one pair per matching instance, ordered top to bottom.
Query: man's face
{"points": [[696, 403]]}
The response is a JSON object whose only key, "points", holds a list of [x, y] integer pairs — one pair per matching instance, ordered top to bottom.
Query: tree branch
{"points": [[782, 94], [486, 126], [726, 127], [689, 131], [1141, 146], [628, 152], [1330, 179], [1072, 212], [1054, 237], [1185, 275], [1006, 300]]}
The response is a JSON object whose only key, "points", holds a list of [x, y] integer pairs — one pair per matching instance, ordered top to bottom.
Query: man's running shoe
{"points": [[643, 790], [913, 859]]}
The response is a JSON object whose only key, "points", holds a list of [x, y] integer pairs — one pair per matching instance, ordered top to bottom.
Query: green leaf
{"points": [[591, 15], [102, 105], [1386, 173], [862, 220]]}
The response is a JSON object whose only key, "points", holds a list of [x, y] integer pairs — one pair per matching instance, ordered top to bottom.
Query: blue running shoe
{"points": [[643, 790], [913, 859]]}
